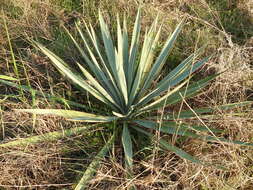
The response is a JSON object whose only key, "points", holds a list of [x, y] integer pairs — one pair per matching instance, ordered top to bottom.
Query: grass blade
{"points": [[4, 77]]}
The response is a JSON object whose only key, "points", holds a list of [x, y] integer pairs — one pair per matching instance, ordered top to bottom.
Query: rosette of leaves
{"points": [[121, 75]]}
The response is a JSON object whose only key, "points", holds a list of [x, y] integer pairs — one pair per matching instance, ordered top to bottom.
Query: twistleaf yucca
{"points": [[121, 76]]}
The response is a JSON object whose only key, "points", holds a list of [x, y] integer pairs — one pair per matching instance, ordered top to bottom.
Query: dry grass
{"points": [[57, 165]]}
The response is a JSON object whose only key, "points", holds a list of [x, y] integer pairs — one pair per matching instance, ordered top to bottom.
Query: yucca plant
{"points": [[122, 77]]}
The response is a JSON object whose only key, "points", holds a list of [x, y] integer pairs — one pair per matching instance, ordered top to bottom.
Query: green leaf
{"points": [[150, 41], [108, 43], [125, 51], [133, 52], [120, 58], [160, 61], [183, 66], [116, 68], [65, 70], [182, 74], [103, 75], [4, 77], [169, 82], [98, 87], [190, 91], [46, 95], [163, 98], [205, 110], [71, 115], [173, 127], [170, 128], [51, 136], [173, 148], [128, 149], [92, 168]]}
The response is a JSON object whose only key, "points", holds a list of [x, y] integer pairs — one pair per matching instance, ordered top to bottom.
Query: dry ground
{"points": [[225, 25]]}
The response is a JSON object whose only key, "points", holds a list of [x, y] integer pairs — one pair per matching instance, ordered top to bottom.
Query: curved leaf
{"points": [[160, 61], [65, 70], [4, 77], [170, 82], [46, 95], [205, 110], [71, 115], [182, 130], [51, 136], [173, 148], [128, 149], [92, 168]]}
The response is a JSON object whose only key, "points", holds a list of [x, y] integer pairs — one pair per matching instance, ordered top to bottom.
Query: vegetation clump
{"points": [[135, 104]]}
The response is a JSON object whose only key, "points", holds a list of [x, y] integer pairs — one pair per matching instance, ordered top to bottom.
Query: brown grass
{"points": [[57, 165]]}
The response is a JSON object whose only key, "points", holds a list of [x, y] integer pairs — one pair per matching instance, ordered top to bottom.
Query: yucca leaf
{"points": [[108, 45], [125, 51], [99, 52], [133, 52], [146, 54], [150, 57], [112, 58], [160, 61], [92, 63], [120, 63], [186, 63], [147, 66], [182, 66], [179, 69], [65, 70], [182, 74], [105, 76], [4, 77], [105, 79], [121, 80], [167, 83], [98, 86], [192, 90], [46, 95], [163, 98], [205, 110], [71, 115], [172, 127], [183, 130], [51, 136], [173, 148], [128, 149], [93, 166]]}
